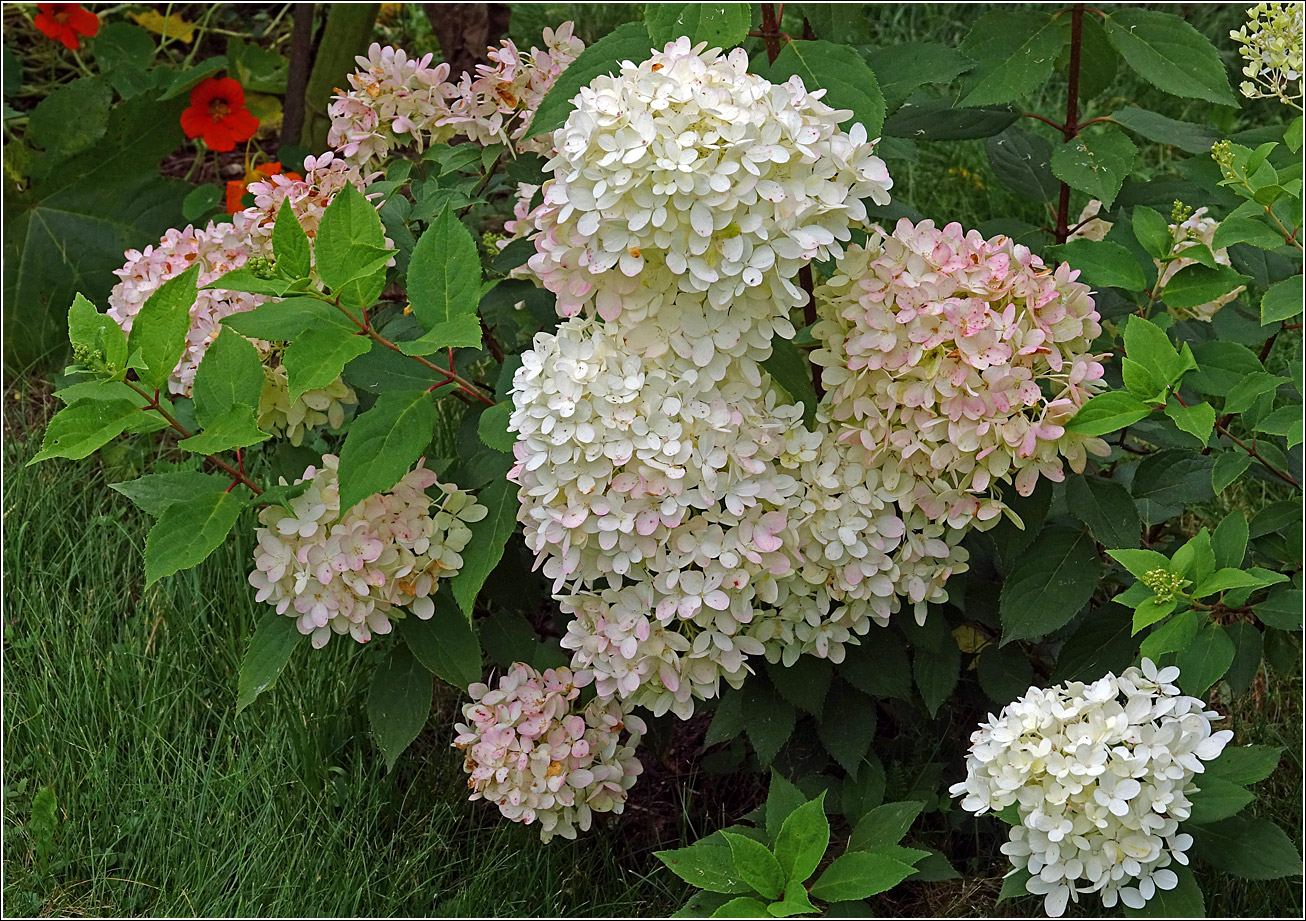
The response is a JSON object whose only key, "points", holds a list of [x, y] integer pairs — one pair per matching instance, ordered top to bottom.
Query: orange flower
{"points": [[64, 22], [217, 114], [236, 188]]}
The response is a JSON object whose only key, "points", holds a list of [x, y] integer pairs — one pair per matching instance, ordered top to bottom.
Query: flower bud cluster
{"points": [[1271, 43], [398, 101], [1186, 230], [955, 362], [350, 573], [539, 756], [1100, 775]]}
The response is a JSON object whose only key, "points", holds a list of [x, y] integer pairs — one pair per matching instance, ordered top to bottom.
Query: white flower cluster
{"points": [[1271, 43], [398, 101], [687, 193], [1194, 229], [219, 248], [348, 574], [540, 758], [1100, 775]]}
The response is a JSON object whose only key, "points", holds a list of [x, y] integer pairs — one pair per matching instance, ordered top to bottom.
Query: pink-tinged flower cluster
{"points": [[393, 101], [398, 101], [496, 105], [686, 194], [219, 248], [955, 363], [350, 573], [540, 757], [1100, 775]]}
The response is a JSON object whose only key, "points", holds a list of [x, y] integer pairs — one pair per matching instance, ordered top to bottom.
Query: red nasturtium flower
{"points": [[65, 22], [217, 114], [236, 187]]}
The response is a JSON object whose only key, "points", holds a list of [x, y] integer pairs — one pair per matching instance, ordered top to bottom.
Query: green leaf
{"points": [[721, 25], [628, 42], [1014, 52], [1170, 54], [901, 68], [839, 70], [71, 118], [922, 118], [1188, 137], [1023, 162], [1096, 164], [202, 201], [1245, 229], [1153, 231], [350, 239], [290, 244], [1103, 263], [444, 276], [246, 280], [1195, 285], [1282, 301], [281, 321], [93, 330], [159, 330], [459, 333], [1147, 343], [316, 357], [1221, 366], [790, 370], [229, 374], [1247, 391], [1108, 412], [1197, 419], [1285, 421], [87, 425], [492, 427], [236, 428], [383, 443], [1229, 465], [1169, 479], [154, 492], [1107, 508], [188, 531], [489, 537], [1195, 560], [1138, 562], [1224, 579], [1044, 590], [1282, 609], [1150, 610], [1175, 634], [446, 643], [269, 650], [1205, 660], [880, 671], [936, 672], [1004, 672], [398, 703], [769, 720], [847, 740], [1244, 764], [859, 795], [782, 798], [1217, 799], [887, 824], [802, 841], [1247, 847], [705, 866], [757, 866], [859, 874], [1013, 885], [1183, 901], [795, 902], [701, 904], [743, 907]]}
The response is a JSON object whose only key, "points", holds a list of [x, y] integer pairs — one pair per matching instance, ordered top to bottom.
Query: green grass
{"points": [[122, 700]]}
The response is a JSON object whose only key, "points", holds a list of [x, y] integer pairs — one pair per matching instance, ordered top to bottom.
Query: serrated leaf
{"points": [[721, 25], [628, 42], [1014, 53], [1170, 54], [905, 66], [839, 70], [1188, 137], [1022, 161], [1095, 164], [1152, 231], [350, 239], [290, 244], [1103, 263], [444, 276], [1195, 285], [1282, 301], [284, 320], [159, 329], [461, 332], [317, 356], [791, 371], [229, 374], [1108, 412], [1197, 419], [88, 425], [492, 427], [235, 428], [383, 443], [1229, 465], [154, 492], [1107, 508], [188, 531], [489, 537], [1043, 591], [446, 643], [269, 650], [1205, 660], [936, 672], [398, 703], [768, 719], [848, 740], [782, 798], [883, 825], [802, 840], [1247, 847], [756, 864], [705, 866], [859, 874], [1183, 901]]}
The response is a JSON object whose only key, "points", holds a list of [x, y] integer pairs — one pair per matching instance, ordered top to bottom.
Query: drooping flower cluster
{"points": [[1271, 43], [397, 101], [497, 103], [686, 195], [1188, 228], [219, 248], [955, 362], [349, 573], [538, 756], [1100, 775]]}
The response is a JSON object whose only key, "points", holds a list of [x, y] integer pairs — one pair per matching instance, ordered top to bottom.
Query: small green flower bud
{"points": [[1165, 585]]}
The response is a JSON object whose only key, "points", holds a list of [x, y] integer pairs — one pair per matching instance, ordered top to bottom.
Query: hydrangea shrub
{"points": [[749, 436]]}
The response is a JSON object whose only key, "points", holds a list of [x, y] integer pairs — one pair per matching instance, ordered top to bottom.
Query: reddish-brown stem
{"points": [[770, 31], [1044, 119], [1070, 130], [1249, 448], [237, 476]]}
